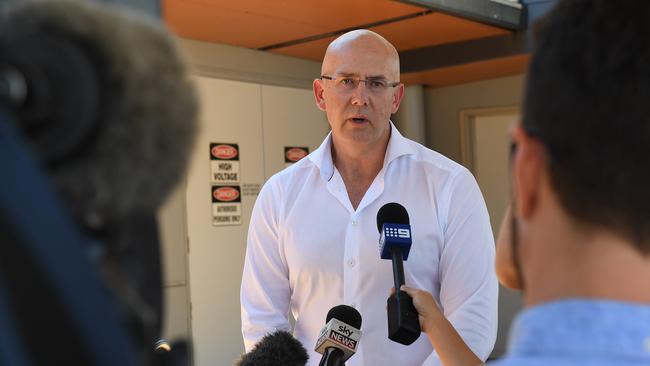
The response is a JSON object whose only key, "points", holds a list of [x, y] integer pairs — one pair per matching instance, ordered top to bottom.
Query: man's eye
{"points": [[347, 81], [377, 84]]}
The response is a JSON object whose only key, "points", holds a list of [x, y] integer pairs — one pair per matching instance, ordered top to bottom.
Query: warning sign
{"points": [[293, 154], [224, 163], [251, 189], [226, 205]]}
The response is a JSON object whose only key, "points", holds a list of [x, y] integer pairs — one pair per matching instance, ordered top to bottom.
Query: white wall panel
{"points": [[231, 113], [290, 118], [262, 120], [173, 233]]}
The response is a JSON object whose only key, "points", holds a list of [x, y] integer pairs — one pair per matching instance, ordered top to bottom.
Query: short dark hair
{"points": [[587, 99]]}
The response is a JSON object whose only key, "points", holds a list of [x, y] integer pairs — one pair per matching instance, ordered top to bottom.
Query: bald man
{"points": [[312, 241]]}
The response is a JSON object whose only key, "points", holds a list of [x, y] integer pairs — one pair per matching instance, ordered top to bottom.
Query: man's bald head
{"points": [[358, 43], [359, 113]]}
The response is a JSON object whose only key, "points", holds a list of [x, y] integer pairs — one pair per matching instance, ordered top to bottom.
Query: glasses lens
{"points": [[347, 83], [376, 85]]}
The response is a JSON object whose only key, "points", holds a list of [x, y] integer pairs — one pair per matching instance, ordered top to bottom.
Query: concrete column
{"points": [[409, 119]]}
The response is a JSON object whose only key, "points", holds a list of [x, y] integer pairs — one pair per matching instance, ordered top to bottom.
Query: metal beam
{"points": [[535, 9], [499, 13], [482, 49], [458, 53]]}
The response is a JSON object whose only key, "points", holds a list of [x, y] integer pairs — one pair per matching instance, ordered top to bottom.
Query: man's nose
{"points": [[360, 93]]}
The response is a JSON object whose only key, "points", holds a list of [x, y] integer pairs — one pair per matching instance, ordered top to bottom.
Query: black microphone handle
{"points": [[398, 268], [403, 322], [332, 357]]}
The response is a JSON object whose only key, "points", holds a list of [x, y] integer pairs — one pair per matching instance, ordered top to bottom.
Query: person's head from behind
{"points": [[359, 86], [581, 169]]}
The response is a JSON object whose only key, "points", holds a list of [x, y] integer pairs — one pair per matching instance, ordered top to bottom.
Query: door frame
{"points": [[467, 126]]}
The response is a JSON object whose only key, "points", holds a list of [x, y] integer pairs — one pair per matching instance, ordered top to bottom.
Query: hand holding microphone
{"points": [[395, 244], [429, 313], [339, 338], [444, 338]]}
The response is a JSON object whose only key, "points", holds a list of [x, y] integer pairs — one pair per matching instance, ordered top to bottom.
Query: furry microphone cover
{"points": [[145, 122]]}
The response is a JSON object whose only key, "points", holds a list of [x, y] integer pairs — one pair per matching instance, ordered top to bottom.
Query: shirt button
{"points": [[354, 222], [351, 262]]}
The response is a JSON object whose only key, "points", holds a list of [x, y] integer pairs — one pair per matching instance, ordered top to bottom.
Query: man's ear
{"points": [[318, 94], [398, 95], [528, 169]]}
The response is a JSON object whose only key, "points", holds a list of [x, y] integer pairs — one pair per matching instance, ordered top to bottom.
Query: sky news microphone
{"points": [[395, 244], [339, 338], [276, 349]]}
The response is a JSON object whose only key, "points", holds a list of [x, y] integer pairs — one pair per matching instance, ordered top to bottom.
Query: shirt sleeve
{"points": [[468, 284], [265, 291]]}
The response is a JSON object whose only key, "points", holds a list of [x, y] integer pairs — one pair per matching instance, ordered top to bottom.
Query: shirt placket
{"points": [[351, 263], [351, 272]]}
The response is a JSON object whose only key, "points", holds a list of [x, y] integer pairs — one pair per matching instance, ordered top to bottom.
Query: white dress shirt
{"points": [[309, 250]]}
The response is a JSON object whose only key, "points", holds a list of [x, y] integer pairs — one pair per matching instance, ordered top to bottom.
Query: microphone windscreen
{"points": [[146, 120], [393, 213], [346, 314], [276, 349]]}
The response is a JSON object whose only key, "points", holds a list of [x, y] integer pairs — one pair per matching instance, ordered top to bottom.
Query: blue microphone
{"points": [[395, 244]]}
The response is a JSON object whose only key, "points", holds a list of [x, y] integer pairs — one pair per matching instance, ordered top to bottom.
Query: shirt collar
{"points": [[398, 145]]}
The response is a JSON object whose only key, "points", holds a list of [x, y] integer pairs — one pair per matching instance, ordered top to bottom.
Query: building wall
{"points": [[242, 64], [443, 106], [488, 159], [182, 283]]}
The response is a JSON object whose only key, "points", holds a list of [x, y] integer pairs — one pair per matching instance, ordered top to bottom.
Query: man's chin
{"points": [[360, 137]]}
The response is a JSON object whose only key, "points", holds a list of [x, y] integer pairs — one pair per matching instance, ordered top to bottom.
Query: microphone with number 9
{"points": [[395, 244], [339, 338]]}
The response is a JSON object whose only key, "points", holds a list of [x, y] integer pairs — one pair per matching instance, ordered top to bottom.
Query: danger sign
{"points": [[293, 154], [224, 163], [226, 205]]}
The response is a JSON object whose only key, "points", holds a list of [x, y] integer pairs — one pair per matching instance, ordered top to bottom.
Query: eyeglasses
{"points": [[349, 83]]}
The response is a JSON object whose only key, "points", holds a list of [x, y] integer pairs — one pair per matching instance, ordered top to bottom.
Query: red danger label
{"points": [[224, 151], [293, 154], [225, 194]]}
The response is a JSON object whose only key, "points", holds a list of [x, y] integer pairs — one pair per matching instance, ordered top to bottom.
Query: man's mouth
{"points": [[359, 119]]}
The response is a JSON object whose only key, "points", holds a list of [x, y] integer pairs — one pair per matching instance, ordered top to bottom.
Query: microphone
{"points": [[104, 98], [105, 102], [395, 244], [339, 338], [276, 349]]}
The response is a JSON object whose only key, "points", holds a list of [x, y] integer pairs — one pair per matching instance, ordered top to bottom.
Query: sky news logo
{"points": [[343, 340]]}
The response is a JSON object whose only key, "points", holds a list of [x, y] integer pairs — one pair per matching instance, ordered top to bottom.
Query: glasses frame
{"points": [[365, 81]]}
